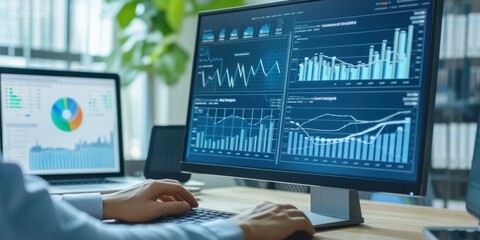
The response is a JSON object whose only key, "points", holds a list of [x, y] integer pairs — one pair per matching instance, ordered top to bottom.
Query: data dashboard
{"points": [[312, 88], [59, 125]]}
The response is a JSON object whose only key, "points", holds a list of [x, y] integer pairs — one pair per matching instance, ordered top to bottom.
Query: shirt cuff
{"points": [[90, 203], [224, 229]]}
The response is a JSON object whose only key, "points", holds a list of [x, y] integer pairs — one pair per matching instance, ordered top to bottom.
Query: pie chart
{"points": [[67, 114]]}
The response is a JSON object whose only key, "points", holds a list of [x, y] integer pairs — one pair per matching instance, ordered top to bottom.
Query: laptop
{"points": [[64, 127], [472, 202]]}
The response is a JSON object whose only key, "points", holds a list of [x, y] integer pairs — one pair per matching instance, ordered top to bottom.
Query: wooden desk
{"points": [[382, 220]]}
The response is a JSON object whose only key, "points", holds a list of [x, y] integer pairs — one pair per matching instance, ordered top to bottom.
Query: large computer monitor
{"points": [[336, 94]]}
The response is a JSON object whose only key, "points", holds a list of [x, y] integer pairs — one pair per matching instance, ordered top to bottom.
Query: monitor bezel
{"points": [[95, 75], [401, 187]]}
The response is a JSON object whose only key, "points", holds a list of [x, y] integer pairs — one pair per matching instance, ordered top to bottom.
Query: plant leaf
{"points": [[162, 4], [175, 13], [127, 14], [159, 22], [160, 49], [171, 64]]}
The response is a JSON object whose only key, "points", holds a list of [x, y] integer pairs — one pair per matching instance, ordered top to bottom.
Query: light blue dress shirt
{"points": [[27, 211]]}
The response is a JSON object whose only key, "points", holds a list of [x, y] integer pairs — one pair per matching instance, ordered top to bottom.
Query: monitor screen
{"points": [[332, 88], [59, 125]]}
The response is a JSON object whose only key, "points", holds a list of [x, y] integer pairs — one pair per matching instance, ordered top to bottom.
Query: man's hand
{"points": [[147, 201], [272, 221]]}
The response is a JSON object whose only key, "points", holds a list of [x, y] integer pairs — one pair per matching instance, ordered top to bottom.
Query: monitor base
{"points": [[334, 207]]}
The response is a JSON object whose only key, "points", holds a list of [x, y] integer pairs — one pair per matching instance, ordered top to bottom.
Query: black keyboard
{"points": [[81, 182], [197, 215]]}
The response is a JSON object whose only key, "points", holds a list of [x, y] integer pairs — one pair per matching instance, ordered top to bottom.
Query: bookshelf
{"points": [[458, 99]]}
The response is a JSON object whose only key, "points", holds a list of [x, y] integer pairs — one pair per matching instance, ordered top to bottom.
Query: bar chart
{"points": [[264, 31], [391, 61], [24, 100], [13, 101], [240, 130], [365, 132], [368, 145], [85, 156]]}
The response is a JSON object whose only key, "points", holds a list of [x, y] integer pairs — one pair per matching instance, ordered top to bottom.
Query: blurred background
{"points": [[150, 43]]}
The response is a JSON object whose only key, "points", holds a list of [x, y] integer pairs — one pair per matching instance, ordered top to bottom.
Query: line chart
{"points": [[248, 65], [239, 73], [233, 117], [354, 120], [232, 129], [368, 131], [383, 140]]}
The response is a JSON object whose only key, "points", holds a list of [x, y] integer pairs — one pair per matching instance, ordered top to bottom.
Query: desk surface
{"points": [[382, 220]]}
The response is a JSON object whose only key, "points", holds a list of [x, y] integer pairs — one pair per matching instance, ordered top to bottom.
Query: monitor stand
{"points": [[334, 207]]}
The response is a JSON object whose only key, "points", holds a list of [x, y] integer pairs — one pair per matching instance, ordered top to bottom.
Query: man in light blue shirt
{"points": [[27, 211]]}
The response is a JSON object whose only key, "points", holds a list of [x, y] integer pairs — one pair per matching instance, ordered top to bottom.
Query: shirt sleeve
{"points": [[90, 203], [28, 212]]}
